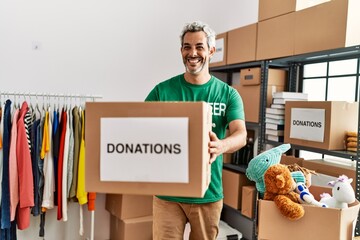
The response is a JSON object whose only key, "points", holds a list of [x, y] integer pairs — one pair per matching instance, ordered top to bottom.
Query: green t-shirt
{"points": [[226, 105]]}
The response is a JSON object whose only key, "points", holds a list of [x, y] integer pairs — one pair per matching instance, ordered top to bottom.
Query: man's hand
{"points": [[215, 147]]}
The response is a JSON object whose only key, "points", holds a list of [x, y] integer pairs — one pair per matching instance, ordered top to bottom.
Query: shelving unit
{"points": [[294, 65]]}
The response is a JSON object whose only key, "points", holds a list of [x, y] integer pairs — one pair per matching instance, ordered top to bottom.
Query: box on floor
{"points": [[125, 206], [317, 223], [131, 229]]}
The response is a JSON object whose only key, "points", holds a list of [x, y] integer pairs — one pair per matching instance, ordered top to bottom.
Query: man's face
{"points": [[195, 52]]}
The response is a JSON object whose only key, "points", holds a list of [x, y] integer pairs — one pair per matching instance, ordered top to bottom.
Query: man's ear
{"points": [[212, 51]]}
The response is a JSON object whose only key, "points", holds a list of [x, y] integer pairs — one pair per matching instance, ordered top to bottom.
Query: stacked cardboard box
{"points": [[250, 86], [232, 185], [129, 213]]}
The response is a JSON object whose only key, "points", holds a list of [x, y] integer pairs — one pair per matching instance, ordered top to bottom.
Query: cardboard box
{"points": [[273, 8], [331, 25], [276, 37], [242, 44], [219, 58], [250, 87], [319, 124], [196, 153], [289, 160], [331, 168], [232, 187], [248, 204], [129, 206], [317, 223], [131, 229]]}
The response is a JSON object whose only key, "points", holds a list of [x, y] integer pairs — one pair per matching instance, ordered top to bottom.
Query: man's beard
{"points": [[197, 70]]}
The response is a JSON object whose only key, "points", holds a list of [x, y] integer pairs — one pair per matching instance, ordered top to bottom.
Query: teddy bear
{"points": [[280, 187]]}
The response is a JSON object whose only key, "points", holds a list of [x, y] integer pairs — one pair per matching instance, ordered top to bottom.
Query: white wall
{"points": [[116, 49]]}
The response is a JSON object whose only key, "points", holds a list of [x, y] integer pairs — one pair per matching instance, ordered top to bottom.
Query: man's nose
{"points": [[193, 52]]}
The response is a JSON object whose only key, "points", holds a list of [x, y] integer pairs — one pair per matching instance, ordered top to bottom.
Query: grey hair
{"points": [[198, 26]]}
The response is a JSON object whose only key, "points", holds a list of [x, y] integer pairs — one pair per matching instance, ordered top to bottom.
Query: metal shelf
{"points": [[293, 64], [236, 168], [243, 224]]}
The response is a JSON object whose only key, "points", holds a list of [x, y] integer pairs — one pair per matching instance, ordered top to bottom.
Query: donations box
{"points": [[147, 148]]}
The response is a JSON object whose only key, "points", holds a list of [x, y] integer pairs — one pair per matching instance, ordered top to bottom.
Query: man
{"points": [[170, 214]]}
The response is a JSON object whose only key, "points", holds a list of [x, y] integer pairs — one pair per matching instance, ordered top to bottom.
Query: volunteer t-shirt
{"points": [[226, 106]]}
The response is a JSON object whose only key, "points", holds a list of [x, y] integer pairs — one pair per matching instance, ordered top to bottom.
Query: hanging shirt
{"points": [[63, 123], [77, 139], [56, 146], [1, 147], [46, 154], [71, 154], [34, 161], [65, 167], [13, 170], [26, 185], [81, 194], [5, 196]]}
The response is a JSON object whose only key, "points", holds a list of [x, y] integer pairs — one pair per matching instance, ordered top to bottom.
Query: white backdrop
{"points": [[116, 49]]}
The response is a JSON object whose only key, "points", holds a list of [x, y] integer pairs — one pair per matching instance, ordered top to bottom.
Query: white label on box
{"points": [[219, 53], [307, 124], [144, 149]]}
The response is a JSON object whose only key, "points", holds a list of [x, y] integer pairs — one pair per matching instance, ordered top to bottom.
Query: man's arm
{"points": [[230, 144]]}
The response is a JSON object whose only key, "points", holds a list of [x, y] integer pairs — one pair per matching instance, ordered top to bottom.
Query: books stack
{"points": [[275, 115], [274, 124]]}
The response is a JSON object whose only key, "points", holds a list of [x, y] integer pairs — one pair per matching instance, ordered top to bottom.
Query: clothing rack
{"points": [[53, 95], [58, 96]]}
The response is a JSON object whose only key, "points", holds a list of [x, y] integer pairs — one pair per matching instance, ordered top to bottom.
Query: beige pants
{"points": [[169, 219]]}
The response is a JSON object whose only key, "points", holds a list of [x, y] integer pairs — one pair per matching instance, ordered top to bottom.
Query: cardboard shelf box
{"points": [[273, 8], [333, 24], [276, 37], [241, 45], [219, 58], [250, 87], [319, 124], [144, 173], [232, 187], [248, 203], [317, 223]]}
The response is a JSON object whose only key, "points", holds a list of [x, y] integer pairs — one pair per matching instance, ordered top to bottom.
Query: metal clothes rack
{"points": [[5, 94], [53, 95]]}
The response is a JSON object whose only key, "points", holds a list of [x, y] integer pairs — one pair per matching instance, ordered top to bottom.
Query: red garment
{"points": [[60, 163], [26, 184], [91, 201]]}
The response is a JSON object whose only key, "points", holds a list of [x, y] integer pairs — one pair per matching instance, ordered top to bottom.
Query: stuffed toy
{"points": [[260, 163], [306, 172], [280, 188], [342, 193], [305, 195]]}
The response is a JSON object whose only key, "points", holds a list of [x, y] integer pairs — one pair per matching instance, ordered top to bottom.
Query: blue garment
{"points": [[55, 146], [5, 197], [36, 209]]}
